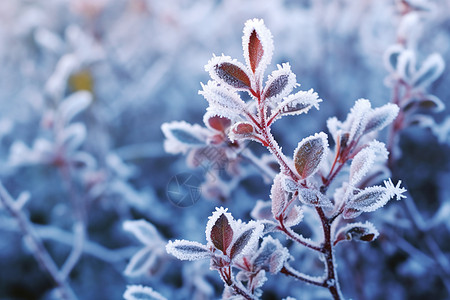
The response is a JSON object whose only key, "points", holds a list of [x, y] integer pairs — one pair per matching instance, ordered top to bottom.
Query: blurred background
{"points": [[86, 84]]}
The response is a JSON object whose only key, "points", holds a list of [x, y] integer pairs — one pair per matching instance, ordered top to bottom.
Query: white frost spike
{"points": [[256, 35], [430, 70], [230, 72], [280, 84], [220, 96], [298, 103], [74, 104], [380, 117], [182, 136], [363, 161], [396, 190], [278, 196], [314, 197], [215, 216], [144, 231], [187, 250], [139, 292]]}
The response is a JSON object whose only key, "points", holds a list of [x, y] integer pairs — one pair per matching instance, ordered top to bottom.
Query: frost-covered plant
{"points": [[307, 181]]}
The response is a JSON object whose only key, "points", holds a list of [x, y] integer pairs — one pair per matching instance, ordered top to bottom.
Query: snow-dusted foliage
{"points": [[121, 131]]}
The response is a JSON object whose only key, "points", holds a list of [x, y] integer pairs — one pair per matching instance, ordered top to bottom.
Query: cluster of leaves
{"points": [[302, 178]]}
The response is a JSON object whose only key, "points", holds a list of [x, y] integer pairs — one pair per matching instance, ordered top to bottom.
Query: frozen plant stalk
{"points": [[232, 245]]}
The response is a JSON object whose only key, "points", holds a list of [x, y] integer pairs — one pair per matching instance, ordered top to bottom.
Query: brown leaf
{"points": [[255, 50], [232, 75], [222, 233]]}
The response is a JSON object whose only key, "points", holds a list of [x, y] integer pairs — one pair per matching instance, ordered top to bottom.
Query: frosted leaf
{"points": [[257, 45], [391, 57], [406, 65], [430, 70], [230, 72], [57, 83], [280, 83], [223, 98], [298, 103], [430, 103], [74, 104], [380, 117], [358, 118], [420, 120], [216, 122], [334, 127], [242, 131], [74, 135], [181, 136], [310, 153], [364, 161], [289, 185], [278, 196], [314, 197], [369, 199], [262, 210], [294, 217], [219, 229], [144, 231], [363, 232], [246, 239], [187, 250], [271, 255], [142, 262], [258, 280], [139, 292]]}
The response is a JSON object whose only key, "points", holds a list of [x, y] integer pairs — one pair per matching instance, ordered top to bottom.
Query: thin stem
{"points": [[296, 237], [38, 250], [289, 271], [227, 277]]}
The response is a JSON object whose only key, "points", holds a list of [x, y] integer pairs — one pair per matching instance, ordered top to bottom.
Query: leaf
{"points": [[258, 46], [391, 57], [406, 65], [430, 70], [230, 72], [280, 83], [222, 98], [298, 103], [431, 103], [74, 104], [380, 117], [358, 118], [216, 122], [242, 131], [74, 135], [182, 136], [310, 152], [364, 161], [278, 195], [314, 197], [369, 199], [262, 210], [294, 217], [219, 229], [143, 231], [363, 232], [249, 235], [187, 250], [271, 255], [142, 262], [139, 292]]}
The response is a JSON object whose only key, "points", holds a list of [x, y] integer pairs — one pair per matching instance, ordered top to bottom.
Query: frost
{"points": [[257, 45], [391, 57], [406, 65], [430, 70], [230, 72], [280, 83], [222, 98], [298, 103], [74, 104], [380, 117], [358, 118], [216, 122], [242, 131], [74, 135], [181, 136], [310, 153], [364, 161], [396, 190], [278, 196], [314, 197], [369, 199], [262, 210], [294, 217], [220, 228], [144, 231], [364, 232], [246, 239], [187, 250], [271, 255], [143, 261], [139, 292]]}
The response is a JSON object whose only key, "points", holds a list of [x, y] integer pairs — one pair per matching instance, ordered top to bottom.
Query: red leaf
{"points": [[255, 50], [232, 75], [219, 123], [244, 129], [222, 233]]}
